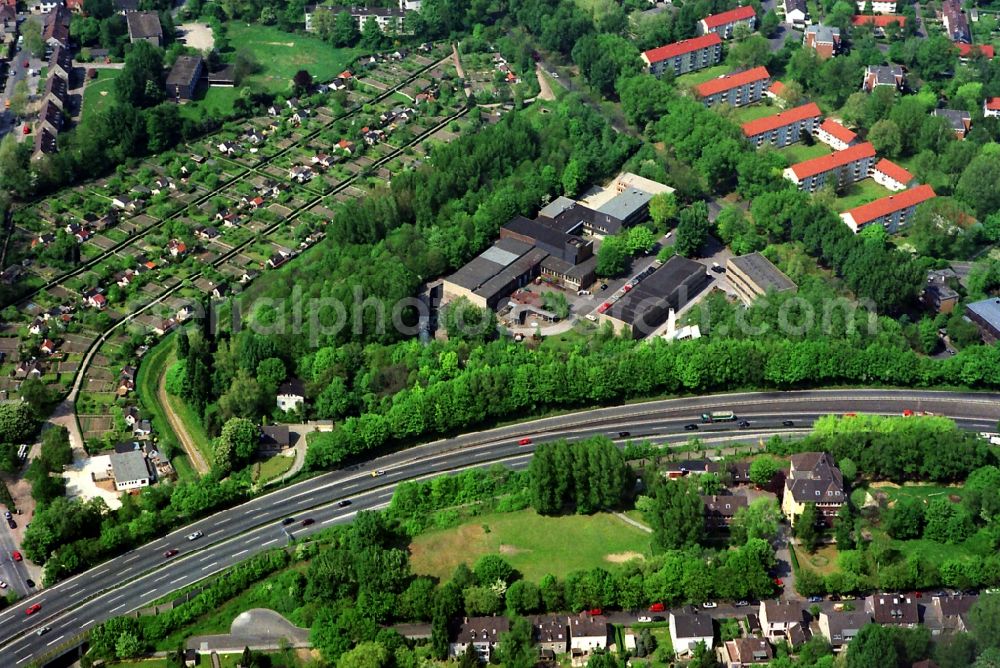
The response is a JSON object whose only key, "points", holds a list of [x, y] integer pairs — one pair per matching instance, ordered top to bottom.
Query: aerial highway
{"points": [[143, 575]]}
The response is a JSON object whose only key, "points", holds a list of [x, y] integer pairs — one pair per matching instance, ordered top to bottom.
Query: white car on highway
{"points": [[195, 536]]}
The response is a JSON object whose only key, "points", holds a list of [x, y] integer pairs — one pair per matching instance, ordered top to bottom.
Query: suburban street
{"points": [[20, 73], [143, 575]]}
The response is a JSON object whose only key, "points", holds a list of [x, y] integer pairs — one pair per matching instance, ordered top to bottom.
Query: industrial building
{"points": [[753, 276]]}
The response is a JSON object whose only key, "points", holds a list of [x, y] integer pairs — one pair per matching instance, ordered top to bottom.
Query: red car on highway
{"points": [[524, 441], [171, 553], [15, 555], [33, 608]]}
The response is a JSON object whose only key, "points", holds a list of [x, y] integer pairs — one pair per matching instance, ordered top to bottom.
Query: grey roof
{"points": [[796, 4], [126, 5], [365, 11], [143, 24], [825, 34], [185, 71], [885, 74], [956, 117], [626, 203], [556, 206], [573, 216], [536, 230], [489, 263], [579, 271], [762, 272], [665, 284], [988, 310], [292, 387], [275, 434], [128, 466], [814, 478], [723, 505], [893, 609], [784, 612], [692, 624], [844, 625], [589, 626], [482, 629], [549, 629], [750, 650]]}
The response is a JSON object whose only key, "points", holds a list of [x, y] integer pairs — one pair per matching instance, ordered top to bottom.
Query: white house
{"points": [[991, 107], [291, 395], [129, 470], [778, 618], [688, 628], [588, 633]]}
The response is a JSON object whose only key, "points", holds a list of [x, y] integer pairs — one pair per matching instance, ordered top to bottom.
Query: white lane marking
{"points": [[350, 486], [341, 517], [273, 540], [241, 552], [206, 558], [131, 559], [211, 565], [126, 570], [183, 577], [151, 591], [117, 598], [119, 607], [87, 623], [49, 644], [20, 661]]}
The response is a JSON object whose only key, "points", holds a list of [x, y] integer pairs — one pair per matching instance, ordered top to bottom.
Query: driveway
{"points": [[258, 629]]}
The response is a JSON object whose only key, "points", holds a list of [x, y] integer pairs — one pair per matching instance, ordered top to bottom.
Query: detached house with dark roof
{"points": [[956, 25], [144, 26], [55, 30], [685, 56], [883, 75], [184, 77], [959, 119], [813, 479], [721, 509], [893, 609], [778, 618], [689, 627], [840, 627]]}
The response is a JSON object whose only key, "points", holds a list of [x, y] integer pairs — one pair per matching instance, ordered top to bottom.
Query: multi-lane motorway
{"points": [[144, 574]]}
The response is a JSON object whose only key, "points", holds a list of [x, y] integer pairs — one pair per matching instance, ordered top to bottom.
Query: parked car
{"points": [[524, 441], [7, 514], [12, 524], [195, 535], [172, 552], [16, 556], [778, 582], [30, 583], [3, 585], [815, 599], [741, 604], [708, 605], [657, 607], [33, 608], [594, 611], [644, 619]]}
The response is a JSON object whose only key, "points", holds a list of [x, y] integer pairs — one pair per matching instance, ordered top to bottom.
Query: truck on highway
{"points": [[718, 416]]}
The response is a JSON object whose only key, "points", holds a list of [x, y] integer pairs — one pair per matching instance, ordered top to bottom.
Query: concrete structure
{"points": [[878, 6], [796, 12], [389, 19], [725, 23], [956, 25], [144, 26], [824, 40], [967, 52], [685, 56], [883, 75], [184, 77], [737, 89], [991, 106], [959, 119], [783, 128], [835, 135], [841, 168], [892, 176], [892, 212], [498, 271], [753, 276], [647, 305], [985, 314], [291, 395], [130, 470], [813, 479], [720, 510], [893, 610], [778, 618], [690, 627], [840, 628], [482, 634], [741, 652]]}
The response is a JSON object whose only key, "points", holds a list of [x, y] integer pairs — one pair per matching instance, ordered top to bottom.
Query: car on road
{"points": [[26, 63], [555, 75], [718, 268], [604, 286], [582, 293], [787, 423], [744, 424], [690, 427], [624, 434], [524, 441], [378, 473], [343, 503], [7, 515], [288, 520], [308, 521], [12, 524], [195, 535], [171, 553], [16, 556], [778, 582], [30, 583], [3, 585], [815, 599], [741, 604], [708, 605], [657, 607], [33, 608], [593, 612], [644, 619], [42, 631]]}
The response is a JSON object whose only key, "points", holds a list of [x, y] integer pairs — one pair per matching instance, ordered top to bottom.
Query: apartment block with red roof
{"points": [[725, 23], [685, 56], [737, 89], [991, 107], [785, 128], [835, 135], [840, 168], [891, 175], [892, 212]]}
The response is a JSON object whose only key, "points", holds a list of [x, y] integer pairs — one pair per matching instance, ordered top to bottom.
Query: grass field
{"points": [[282, 54], [701, 76], [100, 92], [217, 103], [753, 112], [799, 152], [860, 193], [153, 366], [192, 423], [272, 468], [534, 545], [823, 561]]}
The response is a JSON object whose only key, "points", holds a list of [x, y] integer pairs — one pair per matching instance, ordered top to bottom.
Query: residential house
{"points": [[878, 6], [796, 12], [388, 19], [878, 22], [725, 23], [956, 25], [145, 27], [55, 29], [824, 40], [967, 52], [685, 56], [61, 62], [883, 75], [182, 82], [56, 89], [735, 89], [991, 106], [959, 120], [783, 128], [254, 137], [45, 143], [346, 146], [227, 148], [323, 160], [842, 168], [301, 173], [891, 175], [121, 202], [892, 212], [206, 233], [177, 248], [277, 260], [248, 276], [219, 291], [939, 293], [95, 299], [985, 315], [47, 347], [29, 368], [126, 380], [291, 395], [131, 415], [142, 429], [274, 438], [130, 470], [673, 470], [813, 479], [720, 510], [893, 609], [949, 614], [778, 618], [689, 627], [840, 627], [550, 633], [588, 633], [482, 634], [741, 652]]}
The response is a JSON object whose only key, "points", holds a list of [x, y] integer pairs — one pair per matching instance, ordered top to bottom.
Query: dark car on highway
{"points": [[787, 423], [690, 427], [624, 434], [344, 503], [288, 520], [308, 521], [170, 553]]}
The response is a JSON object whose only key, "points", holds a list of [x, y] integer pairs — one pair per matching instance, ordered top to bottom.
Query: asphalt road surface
{"points": [[143, 575]]}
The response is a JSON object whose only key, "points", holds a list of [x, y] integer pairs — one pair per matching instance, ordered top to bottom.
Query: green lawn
{"points": [[282, 54], [701, 76], [100, 92], [217, 103], [753, 112], [800, 152], [860, 193], [193, 424], [272, 468], [533, 544]]}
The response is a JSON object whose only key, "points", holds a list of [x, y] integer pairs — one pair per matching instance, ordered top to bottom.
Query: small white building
{"points": [[291, 395], [130, 470], [588, 633]]}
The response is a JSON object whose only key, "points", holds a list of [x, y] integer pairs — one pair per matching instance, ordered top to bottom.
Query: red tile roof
{"points": [[738, 14], [878, 20], [684, 46], [965, 50], [731, 81], [777, 88], [993, 104], [768, 123], [838, 131], [825, 163], [893, 171], [882, 207]]}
